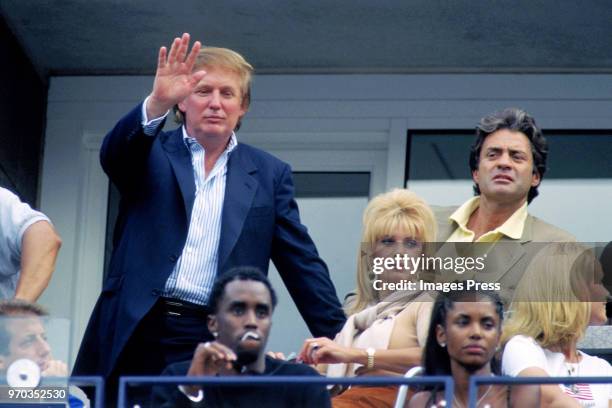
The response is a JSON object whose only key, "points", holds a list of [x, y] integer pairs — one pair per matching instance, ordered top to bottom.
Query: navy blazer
{"points": [[260, 221]]}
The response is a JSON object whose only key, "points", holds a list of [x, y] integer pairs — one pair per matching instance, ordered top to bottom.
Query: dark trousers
{"points": [[169, 333]]}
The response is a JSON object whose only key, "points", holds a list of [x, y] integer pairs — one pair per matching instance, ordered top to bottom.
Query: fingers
{"points": [[183, 46], [179, 48], [174, 50], [191, 58], [161, 59], [197, 76], [215, 350], [303, 353], [308, 353], [276, 354], [219, 355], [210, 357], [56, 368]]}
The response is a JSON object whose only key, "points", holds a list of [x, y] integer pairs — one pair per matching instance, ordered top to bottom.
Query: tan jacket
{"points": [[507, 259]]}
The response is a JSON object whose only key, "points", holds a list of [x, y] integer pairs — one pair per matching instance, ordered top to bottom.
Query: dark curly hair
{"points": [[516, 120], [243, 273]]}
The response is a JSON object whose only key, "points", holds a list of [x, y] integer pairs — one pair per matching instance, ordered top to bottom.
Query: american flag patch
{"points": [[579, 391]]}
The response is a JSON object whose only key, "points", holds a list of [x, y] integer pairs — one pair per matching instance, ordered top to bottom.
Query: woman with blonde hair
{"points": [[557, 298], [388, 321]]}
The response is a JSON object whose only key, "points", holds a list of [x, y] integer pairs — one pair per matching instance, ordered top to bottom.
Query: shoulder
{"points": [[259, 156], [268, 166], [8, 198], [443, 212], [15, 215], [444, 224], [545, 232], [419, 307], [521, 342], [522, 352], [595, 366], [281, 367], [178, 369], [420, 400]]}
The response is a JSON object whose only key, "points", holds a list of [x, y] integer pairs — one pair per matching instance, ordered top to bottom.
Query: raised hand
{"points": [[174, 78]]}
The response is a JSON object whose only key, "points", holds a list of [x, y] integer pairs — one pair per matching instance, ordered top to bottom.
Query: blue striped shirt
{"points": [[194, 273]]}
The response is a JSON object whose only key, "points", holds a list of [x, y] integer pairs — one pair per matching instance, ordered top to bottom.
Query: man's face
{"points": [[215, 106], [505, 170], [243, 319], [28, 339]]}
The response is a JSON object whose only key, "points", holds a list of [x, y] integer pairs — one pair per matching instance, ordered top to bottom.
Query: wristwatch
{"points": [[371, 351]]}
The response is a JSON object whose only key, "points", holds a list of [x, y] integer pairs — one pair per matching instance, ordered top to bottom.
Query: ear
{"points": [[181, 106], [243, 110], [475, 176], [535, 178], [212, 323], [440, 334], [3, 366]]}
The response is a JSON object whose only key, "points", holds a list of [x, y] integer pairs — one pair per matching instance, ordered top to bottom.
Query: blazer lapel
{"points": [[180, 160], [240, 189], [501, 257]]}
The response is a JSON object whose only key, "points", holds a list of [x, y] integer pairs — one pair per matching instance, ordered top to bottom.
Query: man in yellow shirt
{"points": [[508, 162]]}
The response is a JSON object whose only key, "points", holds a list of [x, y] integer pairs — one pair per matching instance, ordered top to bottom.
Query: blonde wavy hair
{"points": [[387, 214], [551, 302]]}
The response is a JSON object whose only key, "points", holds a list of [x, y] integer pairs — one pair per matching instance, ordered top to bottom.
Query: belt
{"points": [[178, 307]]}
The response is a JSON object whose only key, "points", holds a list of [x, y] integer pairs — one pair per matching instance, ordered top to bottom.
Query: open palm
{"points": [[174, 78]]}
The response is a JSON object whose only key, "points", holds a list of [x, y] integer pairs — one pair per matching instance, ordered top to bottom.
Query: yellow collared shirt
{"points": [[512, 228]]}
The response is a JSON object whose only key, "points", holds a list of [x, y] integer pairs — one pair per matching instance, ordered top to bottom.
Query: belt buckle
{"points": [[177, 305]]}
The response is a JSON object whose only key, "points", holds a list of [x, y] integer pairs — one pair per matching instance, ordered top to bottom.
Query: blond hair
{"points": [[224, 58], [386, 214], [551, 303]]}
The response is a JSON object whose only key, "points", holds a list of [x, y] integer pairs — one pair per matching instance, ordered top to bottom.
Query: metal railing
{"points": [[88, 381], [229, 381], [475, 381], [58, 383]]}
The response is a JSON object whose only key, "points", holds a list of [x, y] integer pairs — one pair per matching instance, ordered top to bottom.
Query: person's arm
{"points": [[126, 147], [40, 245], [304, 273], [323, 350], [522, 357], [209, 359], [169, 395], [551, 396]]}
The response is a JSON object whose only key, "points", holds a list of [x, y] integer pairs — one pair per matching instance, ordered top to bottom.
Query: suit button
{"points": [[173, 257], [156, 292]]}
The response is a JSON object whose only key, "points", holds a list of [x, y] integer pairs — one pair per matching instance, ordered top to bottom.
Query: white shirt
{"points": [[15, 218], [194, 273], [522, 352]]}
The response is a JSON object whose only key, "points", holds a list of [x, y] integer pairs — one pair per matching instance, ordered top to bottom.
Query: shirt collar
{"points": [[233, 142], [512, 228]]}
